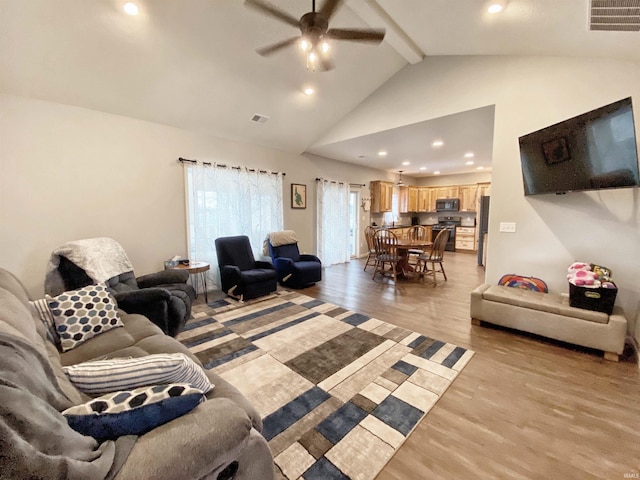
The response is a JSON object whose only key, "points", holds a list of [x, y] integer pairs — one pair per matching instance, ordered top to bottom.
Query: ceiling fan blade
{"points": [[329, 8], [268, 9], [357, 34], [269, 49]]}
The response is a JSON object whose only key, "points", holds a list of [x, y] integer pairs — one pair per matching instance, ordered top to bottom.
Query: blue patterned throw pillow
{"points": [[82, 314], [132, 412]]}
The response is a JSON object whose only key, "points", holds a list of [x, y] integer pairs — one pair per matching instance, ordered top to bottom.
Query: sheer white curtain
{"points": [[224, 201], [333, 222]]}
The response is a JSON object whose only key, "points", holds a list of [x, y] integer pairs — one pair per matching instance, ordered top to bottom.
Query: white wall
{"points": [[528, 93], [68, 173]]}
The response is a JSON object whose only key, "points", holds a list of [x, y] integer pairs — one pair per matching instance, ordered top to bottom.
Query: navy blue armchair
{"points": [[295, 270], [243, 277]]}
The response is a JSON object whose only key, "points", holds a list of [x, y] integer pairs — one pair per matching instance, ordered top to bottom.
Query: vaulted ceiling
{"points": [[192, 63]]}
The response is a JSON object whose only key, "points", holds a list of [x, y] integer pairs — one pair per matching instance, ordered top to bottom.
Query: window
{"points": [[224, 201]]}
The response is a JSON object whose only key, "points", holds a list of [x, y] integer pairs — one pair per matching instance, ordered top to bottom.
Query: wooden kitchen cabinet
{"points": [[484, 190], [447, 192], [433, 195], [468, 195], [381, 196], [403, 199], [408, 199], [413, 199], [427, 199], [424, 201], [466, 239]]}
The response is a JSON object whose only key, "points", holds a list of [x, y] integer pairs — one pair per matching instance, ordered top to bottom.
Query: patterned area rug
{"points": [[339, 391]]}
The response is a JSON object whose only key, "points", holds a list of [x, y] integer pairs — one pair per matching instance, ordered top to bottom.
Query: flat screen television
{"points": [[595, 150]]}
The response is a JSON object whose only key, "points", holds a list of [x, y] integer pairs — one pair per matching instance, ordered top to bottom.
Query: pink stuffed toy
{"points": [[580, 274]]}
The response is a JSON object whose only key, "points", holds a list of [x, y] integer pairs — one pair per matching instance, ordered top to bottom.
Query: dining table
{"points": [[403, 246]]}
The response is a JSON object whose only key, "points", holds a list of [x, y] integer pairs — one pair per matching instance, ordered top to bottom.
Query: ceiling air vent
{"points": [[615, 15], [257, 118]]}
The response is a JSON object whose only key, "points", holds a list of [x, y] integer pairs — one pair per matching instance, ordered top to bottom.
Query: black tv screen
{"points": [[592, 151]]}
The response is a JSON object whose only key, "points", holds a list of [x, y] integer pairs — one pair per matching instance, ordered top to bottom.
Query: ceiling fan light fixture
{"points": [[316, 36], [305, 45], [312, 59]]}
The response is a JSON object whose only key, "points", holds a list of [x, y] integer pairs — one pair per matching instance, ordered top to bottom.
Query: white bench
{"points": [[549, 315]]}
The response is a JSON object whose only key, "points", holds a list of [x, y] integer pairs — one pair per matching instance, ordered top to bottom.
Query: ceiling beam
{"points": [[372, 13]]}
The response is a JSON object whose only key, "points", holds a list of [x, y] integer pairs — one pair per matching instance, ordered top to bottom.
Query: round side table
{"points": [[195, 268]]}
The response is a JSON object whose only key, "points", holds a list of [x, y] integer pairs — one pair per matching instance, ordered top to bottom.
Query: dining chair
{"points": [[416, 232], [385, 244], [371, 253], [434, 257]]}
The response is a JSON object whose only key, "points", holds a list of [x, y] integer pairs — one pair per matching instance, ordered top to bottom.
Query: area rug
{"points": [[339, 391]]}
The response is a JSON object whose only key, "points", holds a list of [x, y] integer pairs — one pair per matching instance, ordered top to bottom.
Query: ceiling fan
{"points": [[315, 32]]}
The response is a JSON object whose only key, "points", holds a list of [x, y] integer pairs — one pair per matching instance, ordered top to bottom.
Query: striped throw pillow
{"points": [[42, 308], [103, 376]]}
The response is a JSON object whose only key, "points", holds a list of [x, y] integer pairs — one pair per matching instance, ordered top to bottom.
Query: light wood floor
{"points": [[522, 408]]}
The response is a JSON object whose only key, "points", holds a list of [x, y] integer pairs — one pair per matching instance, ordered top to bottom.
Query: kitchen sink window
{"points": [[392, 217]]}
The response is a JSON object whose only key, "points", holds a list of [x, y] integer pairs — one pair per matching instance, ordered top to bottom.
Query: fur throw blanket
{"points": [[284, 237], [100, 258], [35, 439]]}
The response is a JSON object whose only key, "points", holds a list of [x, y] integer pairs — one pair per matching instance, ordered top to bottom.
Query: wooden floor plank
{"points": [[524, 407]]}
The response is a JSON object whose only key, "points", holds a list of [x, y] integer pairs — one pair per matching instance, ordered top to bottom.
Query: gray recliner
{"points": [[163, 297]]}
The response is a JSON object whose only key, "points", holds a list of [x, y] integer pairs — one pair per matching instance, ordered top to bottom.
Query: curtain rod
{"points": [[222, 165], [318, 179]]}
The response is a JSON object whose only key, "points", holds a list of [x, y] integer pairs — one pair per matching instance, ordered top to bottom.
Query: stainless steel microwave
{"points": [[447, 204]]}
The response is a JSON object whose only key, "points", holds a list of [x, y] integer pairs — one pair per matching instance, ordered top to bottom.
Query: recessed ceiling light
{"points": [[496, 6], [130, 8], [309, 91], [437, 143], [382, 153], [469, 155], [406, 162], [470, 162], [423, 168], [480, 168], [437, 172]]}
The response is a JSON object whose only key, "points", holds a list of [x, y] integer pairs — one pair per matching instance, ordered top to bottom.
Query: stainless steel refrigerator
{"points": [[483, 232]]}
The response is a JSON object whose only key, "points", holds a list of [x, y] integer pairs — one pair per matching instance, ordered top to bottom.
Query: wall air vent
{"points": [[615, 15], [257, 118]]}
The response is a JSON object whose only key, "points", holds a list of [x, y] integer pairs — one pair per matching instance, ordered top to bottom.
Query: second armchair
{"points": [[295, 270]]}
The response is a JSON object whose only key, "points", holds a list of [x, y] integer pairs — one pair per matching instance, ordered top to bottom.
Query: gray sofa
{"points": [[549, 315], [219, 439]]}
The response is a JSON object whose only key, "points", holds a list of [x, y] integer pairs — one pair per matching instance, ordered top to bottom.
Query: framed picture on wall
{"points": [[556, 150], [298, 195]]}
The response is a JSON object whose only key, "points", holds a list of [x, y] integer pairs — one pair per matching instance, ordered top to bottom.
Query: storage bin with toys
{"points": [[591, 287]]}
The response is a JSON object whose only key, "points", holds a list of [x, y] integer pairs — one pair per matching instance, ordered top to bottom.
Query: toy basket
{"points": [[599, 299]]}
